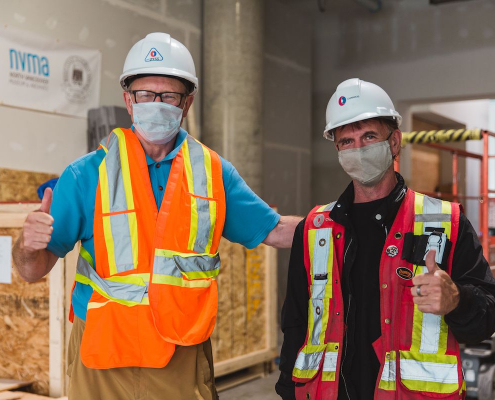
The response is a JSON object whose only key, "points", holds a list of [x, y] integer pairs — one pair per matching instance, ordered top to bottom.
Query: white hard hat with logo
{"points": [[159, 54], [356, 100]]}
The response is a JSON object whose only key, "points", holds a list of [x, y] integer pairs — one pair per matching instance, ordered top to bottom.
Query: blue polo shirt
{"points": [[248, 219]]}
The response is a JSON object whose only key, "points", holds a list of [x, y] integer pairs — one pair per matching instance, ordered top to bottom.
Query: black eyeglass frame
{"points": [[182, 95]]}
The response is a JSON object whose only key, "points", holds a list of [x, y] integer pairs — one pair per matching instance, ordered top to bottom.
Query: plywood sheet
{"points": [[16, 185], [24, 328]]}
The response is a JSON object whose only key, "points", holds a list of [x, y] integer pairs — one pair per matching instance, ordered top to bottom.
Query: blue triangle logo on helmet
{"points": [[153, 55]]}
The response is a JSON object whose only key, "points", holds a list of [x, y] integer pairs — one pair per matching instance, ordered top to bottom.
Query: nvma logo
{"points": [[27, 62]]}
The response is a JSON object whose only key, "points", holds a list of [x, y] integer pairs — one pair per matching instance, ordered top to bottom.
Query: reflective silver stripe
{"points": [[200, 189], [118, 201], [330, 206], [432, 217], [119, 223], [122, 241], [321, 250], [166, 266], [173, 266], [117, 290], [317, 322], [430, 333], [311, 361], [330, 362], [428, 371], [388, 373]]}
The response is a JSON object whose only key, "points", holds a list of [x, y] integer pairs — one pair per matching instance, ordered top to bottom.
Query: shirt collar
{"points": [[181, 136], [388, 209]]}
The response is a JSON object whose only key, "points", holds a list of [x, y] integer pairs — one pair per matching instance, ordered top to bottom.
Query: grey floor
{"points": [[259, 389]]}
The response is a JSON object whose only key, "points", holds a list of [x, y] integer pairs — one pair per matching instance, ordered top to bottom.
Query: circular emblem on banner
{"points": [[77, 79], [318, 221], [392, 251], [404, 273]]}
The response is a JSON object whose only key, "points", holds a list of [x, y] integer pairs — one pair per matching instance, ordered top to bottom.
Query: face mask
{"points": [[157, 122], [367, 164]]}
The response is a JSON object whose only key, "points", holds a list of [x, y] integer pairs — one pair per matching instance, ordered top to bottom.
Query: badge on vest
{"points": [[318, 221], [392, 251], [404, 273]]}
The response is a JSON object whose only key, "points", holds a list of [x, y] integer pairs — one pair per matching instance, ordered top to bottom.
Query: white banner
{"points": [[45, 74]]}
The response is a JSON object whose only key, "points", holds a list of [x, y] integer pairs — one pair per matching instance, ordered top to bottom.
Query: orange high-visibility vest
{"points": [[154, 281], [419, 356]]}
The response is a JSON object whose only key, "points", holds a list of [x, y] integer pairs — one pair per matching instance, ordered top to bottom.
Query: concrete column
{"points": [[232, 84]]}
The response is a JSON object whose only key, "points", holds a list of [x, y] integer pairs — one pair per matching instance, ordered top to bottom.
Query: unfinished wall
{"points": [[418, 53], [287, 115], [46, 142]]}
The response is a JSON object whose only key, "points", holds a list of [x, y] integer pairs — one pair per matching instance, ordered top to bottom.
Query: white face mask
{"points": [[156, 121], [367, 164]]}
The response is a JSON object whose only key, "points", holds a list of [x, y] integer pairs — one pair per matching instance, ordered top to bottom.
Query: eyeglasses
{"points": [[147, 96]]}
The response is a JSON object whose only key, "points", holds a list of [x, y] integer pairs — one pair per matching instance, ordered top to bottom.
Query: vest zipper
{"points": [[346, 318]]}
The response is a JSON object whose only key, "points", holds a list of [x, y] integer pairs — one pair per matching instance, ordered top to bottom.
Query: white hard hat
{"points": [[159, 54], [356, 100]]}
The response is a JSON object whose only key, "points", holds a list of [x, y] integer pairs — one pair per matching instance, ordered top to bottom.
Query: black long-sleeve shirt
{"points": [[367, 225]]}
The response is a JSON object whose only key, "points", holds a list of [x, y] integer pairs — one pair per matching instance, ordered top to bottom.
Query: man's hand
{"points": [[37, 229], [31, 258], [434, 292]]}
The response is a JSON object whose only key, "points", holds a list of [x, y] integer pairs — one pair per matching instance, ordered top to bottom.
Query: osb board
{"points": [[16, 185], [241, 321], [24, 328]]}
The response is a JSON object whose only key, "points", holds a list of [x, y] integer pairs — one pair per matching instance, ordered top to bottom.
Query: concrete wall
{"points": [[418, 53], [287, 115], [46, 142]]}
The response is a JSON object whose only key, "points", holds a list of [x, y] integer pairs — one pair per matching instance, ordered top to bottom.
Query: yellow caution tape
{"points": [[442, 136]]}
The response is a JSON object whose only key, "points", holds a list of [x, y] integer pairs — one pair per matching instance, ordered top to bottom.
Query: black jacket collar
{"points": [[388, 209]]}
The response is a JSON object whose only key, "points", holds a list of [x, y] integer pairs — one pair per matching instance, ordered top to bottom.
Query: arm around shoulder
{"points": [[282, 234]]}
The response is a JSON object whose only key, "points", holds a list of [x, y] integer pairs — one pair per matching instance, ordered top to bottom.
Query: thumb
{"points": [[46, 202], [430, 261]]}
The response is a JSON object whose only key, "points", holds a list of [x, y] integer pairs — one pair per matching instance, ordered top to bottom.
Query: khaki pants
{"points": [[188, 376]]}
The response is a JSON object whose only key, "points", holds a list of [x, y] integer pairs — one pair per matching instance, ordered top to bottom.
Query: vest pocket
{"points": [[203, 221], [432, 375]]}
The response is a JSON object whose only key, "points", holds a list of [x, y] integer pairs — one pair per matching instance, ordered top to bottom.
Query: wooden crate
{"points": [[16, 185], [33, 317], [246, 330]]}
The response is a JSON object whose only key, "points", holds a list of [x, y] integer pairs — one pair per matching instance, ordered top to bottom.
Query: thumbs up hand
{"points": [[37, 229], [434, 292]]}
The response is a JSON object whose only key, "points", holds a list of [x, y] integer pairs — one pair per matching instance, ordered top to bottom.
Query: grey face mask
{"points": [[367, 164]]}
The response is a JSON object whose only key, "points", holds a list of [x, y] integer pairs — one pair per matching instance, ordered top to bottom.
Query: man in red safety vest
{"points": [[384, 282]]}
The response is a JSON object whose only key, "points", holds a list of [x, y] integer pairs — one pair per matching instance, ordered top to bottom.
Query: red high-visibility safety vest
{"points": [[154, 282], [419, 355]]}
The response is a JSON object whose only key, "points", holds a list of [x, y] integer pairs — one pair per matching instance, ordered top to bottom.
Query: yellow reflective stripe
{"points": [[124, 165], [213, 204], [322, 208], [418, 209], [447, 209], [133, 228], [193, 231], [311, 245], [172, 253], [85, 254], [201, 274], [86, 281], [176, 281], [328, 286], [94, 304], [324, 315], [418, 315], [304, 374], [327, 374], [426, 386]]}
